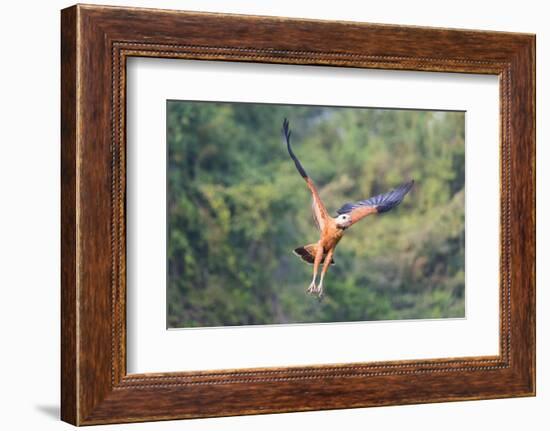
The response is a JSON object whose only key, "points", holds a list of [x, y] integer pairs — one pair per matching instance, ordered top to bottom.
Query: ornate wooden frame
{"points": [[96, 41]]}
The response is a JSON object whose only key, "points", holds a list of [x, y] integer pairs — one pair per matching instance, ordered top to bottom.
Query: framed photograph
{"points": [[265, 214]]}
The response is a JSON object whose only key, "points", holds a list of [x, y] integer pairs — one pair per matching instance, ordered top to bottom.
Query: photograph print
{"points": [[287, 214]]}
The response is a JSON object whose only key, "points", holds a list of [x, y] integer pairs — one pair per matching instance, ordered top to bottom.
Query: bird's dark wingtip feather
{"points": [[286, 129], [287, 133], [394, 197], [383, 202]]}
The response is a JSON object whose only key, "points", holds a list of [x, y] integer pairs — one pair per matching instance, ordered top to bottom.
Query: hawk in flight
{"points": [[332, 229]]}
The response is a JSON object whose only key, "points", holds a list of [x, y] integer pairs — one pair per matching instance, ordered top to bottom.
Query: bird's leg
{"points": [[328, 259], [316, 263]]}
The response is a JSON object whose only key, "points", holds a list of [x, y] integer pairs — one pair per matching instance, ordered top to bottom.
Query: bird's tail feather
{"points": [[307, 253]]}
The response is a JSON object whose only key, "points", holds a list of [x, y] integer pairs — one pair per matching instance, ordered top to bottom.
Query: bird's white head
{"points": [[343, 221]]}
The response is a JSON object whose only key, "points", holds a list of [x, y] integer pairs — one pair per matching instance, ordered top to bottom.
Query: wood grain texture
{"points": [[96, 41], [69, 397]]}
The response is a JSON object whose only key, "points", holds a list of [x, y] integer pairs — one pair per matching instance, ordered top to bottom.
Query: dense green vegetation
{"points": [[237, 208]]}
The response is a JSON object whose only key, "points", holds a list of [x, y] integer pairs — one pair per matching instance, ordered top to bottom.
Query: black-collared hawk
{"points": [[332, 229]]}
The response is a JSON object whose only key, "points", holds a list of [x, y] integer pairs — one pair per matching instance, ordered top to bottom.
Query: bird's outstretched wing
{"points": [[376, 204], [320, 213]]}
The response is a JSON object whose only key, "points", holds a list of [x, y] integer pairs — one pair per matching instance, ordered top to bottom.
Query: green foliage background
{"points": [[237, 208]]}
